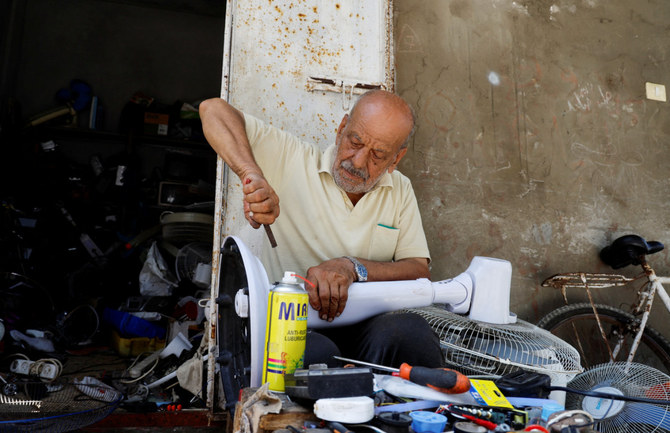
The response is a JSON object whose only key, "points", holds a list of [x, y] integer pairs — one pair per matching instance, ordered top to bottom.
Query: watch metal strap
{"points": [[357, 266]]}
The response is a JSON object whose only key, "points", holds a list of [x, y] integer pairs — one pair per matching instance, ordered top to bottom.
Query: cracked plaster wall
{"points": [[535, 142]]}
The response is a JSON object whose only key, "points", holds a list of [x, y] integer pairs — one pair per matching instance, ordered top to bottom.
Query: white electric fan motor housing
{"points": [[488, 278], [492, 279]]}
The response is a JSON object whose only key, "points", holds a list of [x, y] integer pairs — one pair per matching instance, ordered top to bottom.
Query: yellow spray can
{"points": [[285, 332]]}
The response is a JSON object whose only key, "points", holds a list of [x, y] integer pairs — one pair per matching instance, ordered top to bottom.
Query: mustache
{"points": [[349, 167]]}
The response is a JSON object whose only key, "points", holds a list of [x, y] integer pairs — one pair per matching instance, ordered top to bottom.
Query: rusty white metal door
{"points": [[298, 65]]}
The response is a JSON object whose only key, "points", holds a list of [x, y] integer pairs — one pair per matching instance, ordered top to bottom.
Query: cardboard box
{"points": [[156, 123]]}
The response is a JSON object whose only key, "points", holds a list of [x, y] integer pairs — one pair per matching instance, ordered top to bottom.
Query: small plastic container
{"points": [[131, 326], [134, 346], [550, 408], [427, 422]]}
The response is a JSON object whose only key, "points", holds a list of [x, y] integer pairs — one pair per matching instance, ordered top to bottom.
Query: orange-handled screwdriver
{"points": [[440, 379]]}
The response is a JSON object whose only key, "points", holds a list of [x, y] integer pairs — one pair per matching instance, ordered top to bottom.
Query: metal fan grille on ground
{"points": [[477, 348], [638, 380], [68, 407]]}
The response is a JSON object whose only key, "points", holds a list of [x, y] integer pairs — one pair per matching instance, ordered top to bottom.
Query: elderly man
{"points": [[347, 215]]}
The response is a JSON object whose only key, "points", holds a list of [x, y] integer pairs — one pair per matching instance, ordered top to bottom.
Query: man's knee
{"points": [[403, 328], [407, 331], [319, 349]]}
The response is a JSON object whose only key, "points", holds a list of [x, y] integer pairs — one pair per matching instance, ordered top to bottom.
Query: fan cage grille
{"points": [[183, 227], [183, 233], [188, 258], [480, 348], [638, 380], [69, 407]]}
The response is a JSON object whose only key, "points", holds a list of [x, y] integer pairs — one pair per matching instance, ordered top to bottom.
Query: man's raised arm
{"points": [[224, 129]]}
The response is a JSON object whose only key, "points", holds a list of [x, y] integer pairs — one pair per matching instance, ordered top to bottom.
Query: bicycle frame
{"points": [[656, 284], [642, 308]]}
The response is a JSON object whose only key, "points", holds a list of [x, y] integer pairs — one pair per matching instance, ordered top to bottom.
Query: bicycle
{"points": [[603, 333]]}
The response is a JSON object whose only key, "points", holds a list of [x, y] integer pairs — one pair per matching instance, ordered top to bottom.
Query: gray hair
{"points": [[411, 131]]}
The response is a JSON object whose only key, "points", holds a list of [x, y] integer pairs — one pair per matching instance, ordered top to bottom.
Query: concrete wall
{"points": [[535, 140]]}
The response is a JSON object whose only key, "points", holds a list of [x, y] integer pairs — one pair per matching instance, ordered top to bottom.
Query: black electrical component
{"points": [[316, 383], [523, 383], [393, 422]]}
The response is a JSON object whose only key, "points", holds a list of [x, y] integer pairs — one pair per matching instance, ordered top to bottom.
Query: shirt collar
{"points": [[326, 163]]}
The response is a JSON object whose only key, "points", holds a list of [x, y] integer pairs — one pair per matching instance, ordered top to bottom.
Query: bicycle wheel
{"points": [[576, 324]]}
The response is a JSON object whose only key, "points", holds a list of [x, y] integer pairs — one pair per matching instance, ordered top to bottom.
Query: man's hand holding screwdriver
{"points": [[260, 204]]}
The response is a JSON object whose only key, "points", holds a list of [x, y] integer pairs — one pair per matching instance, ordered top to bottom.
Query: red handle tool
{"points": [[441, 379]]}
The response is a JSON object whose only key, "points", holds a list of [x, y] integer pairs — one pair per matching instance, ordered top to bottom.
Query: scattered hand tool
{"points": [[268, 230], [271, 236], [440, 379], [315, 382], [337, 427]]}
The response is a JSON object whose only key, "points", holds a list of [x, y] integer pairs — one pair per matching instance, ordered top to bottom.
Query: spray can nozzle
{"points": [[289, 278]]}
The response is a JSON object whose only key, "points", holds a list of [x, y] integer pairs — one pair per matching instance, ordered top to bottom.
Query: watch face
{"points": [[359, 268], [362, 273]]}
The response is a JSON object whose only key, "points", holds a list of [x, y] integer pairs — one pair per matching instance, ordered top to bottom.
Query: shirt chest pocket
{"points": [[383, 243]]}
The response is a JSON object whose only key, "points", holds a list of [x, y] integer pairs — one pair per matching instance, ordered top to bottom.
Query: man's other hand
{"points": [[261, 203], [331, 280]]}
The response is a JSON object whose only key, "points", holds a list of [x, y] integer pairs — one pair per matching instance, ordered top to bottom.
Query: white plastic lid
{"points": [[289, 278], [348, 410]]}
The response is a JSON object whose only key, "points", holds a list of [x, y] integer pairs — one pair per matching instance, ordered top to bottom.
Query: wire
{"points": [[304, 279], [80, 307], [16, 355], [36, 368], [146, 373], [610, 396], [560, 416], [489, 425], [535, 427]]}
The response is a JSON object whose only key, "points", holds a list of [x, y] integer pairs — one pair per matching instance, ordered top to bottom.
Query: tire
{"points": [[654, 349]]}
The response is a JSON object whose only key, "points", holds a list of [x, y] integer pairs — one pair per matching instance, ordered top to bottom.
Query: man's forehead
{"points": [[378, 115], [379, 140]]}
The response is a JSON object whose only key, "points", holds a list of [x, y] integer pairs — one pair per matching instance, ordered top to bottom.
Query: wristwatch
{"points": [[361, 271]]}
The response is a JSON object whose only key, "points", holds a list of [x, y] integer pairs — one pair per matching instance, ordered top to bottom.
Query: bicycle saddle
{"points": [[628, 250]]}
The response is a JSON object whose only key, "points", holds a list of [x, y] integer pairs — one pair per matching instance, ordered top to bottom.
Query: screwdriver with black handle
{"points": [[440, 379]]}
